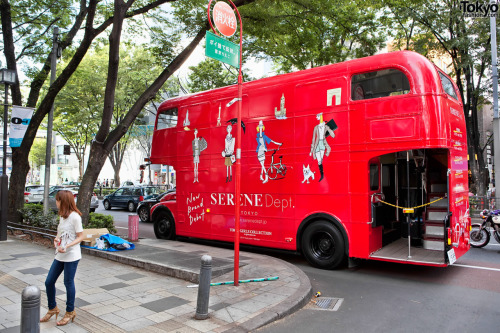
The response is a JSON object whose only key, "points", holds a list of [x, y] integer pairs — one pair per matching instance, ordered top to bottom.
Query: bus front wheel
{"points": [[164, 226], [323, 245]]}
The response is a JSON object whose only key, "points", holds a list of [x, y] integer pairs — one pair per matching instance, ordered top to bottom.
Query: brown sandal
{"points": [[50, 313], [67, 317]]}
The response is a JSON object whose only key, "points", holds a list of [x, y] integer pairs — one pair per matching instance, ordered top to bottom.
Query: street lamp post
{"points": [[7, 77]]}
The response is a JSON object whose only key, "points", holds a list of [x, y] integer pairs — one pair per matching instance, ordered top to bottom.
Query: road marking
{"points": [[121, 227], [479, 267]]}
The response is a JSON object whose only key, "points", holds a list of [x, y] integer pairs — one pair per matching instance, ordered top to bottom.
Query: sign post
{"points": [[225, 21]]}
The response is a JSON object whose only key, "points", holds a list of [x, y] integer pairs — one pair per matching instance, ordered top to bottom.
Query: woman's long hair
{"points": [[67, 203]]}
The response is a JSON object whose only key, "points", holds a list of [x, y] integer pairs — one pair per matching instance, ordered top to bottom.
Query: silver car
{"points": [[33, 193], [94, 202]]}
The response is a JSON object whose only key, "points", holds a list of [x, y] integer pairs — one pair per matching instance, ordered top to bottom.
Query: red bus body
{"points": [[399, 136]]}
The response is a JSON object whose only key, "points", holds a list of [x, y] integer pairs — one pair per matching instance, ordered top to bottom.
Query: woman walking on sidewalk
{"points": [[68, 254]]}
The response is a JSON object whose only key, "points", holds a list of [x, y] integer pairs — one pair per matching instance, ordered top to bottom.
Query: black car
{"points": [[129, 197], [144, 207]]}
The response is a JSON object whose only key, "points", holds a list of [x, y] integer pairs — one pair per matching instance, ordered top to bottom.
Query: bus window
{"points": [[387, 82], [447, 86], [167, 119], [374, 181]]}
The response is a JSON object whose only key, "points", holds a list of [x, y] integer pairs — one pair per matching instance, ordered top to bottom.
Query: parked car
{"points": [[72, 183], [131, 183], [30, 191], [35, 194], [129, 197], [94, 202], [144, 207]]}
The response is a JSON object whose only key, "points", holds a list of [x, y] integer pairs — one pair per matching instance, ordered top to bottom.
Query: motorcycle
{"points": [[480, 233]]}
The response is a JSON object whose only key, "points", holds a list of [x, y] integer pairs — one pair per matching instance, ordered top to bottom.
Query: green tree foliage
{"points": [[80, 23], [439, 27], [300, 34], [211, 74], [80, 102], [38, 152]]}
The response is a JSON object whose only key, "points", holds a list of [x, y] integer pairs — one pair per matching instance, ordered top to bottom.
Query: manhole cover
{"points": [[325, 303]]}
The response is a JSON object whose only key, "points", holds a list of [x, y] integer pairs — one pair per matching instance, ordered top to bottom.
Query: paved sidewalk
{"points": [[145, 290]]}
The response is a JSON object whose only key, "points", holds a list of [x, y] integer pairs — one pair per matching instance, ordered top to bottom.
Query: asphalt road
{"points": [[121, 222], [384, 297], [387, 297]]}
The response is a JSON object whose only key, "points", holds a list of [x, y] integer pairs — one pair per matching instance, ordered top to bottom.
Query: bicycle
{"points": [[276, 169]]}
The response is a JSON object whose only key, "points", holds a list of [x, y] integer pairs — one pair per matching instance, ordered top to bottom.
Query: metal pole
{"points": [[496, 121], [48, 150], [238, 160], [4, 181], [408, 219], [204, 288], [30, 310]]}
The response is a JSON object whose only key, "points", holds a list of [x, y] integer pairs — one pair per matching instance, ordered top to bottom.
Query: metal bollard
{"points": [[133, 227], [204, 288], [30, 310]]}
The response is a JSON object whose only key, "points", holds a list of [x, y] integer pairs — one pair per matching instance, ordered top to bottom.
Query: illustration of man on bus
{"points": [[262, 141], [199, 145], [319, 146], [228, 153]]}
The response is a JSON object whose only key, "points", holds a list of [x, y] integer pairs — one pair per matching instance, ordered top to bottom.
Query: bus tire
{"points": [[164, 226], [323, 245]]}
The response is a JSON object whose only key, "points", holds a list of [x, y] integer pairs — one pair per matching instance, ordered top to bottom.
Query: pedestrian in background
{"points": [[68, 254]]}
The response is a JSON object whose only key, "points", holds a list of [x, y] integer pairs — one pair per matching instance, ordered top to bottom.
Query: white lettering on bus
{"points": [[253, 200], [195, 202], [254, 232]]}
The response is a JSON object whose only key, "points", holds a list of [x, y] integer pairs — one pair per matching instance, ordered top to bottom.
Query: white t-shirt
{"points": [[66, 231]]}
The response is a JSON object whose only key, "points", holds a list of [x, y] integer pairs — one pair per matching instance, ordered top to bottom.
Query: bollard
{"points": [[133, 227], [204, 288], [30, 310]]}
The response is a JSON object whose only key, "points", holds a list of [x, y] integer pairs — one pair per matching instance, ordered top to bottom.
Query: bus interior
{"points": [[410, 179]]}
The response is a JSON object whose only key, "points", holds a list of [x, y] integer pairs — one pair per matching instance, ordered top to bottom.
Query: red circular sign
{"points": [[224, 19]]}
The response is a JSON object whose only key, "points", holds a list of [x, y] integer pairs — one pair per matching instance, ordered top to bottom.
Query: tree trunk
{"points": [[97, 158]]}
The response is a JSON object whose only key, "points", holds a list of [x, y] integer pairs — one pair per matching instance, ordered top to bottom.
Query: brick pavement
{"points": [[145, 290]]}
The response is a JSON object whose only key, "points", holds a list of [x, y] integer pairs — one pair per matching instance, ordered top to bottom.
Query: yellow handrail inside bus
{"points": [[406, 208]]}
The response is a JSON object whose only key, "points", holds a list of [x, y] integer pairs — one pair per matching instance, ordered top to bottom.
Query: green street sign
{"points": [[220, 49]]}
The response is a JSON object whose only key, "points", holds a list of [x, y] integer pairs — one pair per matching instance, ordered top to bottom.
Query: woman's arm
{"points": [[78, 240]]}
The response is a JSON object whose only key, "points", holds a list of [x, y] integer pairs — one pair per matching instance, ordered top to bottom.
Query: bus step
{"points": [[436, 216], [434, 230], [433, 243]]}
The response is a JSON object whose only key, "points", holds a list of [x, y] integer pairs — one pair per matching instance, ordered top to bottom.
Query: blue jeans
{"points": [[56, 269]]}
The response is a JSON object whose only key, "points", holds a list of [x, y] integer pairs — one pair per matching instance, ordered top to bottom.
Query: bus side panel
{"points": [[164, 147], [459, 187], [330, 195], [191, 197]]}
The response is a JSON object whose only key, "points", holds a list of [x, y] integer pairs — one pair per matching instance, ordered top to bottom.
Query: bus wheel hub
{"points": [[325, 245]]}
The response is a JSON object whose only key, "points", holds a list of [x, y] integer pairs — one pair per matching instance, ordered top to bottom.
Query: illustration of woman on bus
{"points": [[262, 141], [199, 145], [319, 146], [228, 153]]}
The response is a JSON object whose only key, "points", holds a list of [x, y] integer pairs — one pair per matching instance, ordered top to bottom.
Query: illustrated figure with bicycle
{"points": [[262, 141]]}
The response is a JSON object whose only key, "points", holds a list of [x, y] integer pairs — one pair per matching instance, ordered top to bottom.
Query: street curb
{"points": [[144, 264], [291, 304]]}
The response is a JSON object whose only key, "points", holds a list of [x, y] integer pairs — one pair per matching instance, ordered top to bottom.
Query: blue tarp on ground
{"points": [[114, 243]]}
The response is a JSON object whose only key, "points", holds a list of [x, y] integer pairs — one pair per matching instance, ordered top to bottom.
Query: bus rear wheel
{"points": [[164, 226], [323, 245]]}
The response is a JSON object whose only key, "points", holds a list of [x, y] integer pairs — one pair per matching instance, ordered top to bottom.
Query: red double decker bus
{"points": [[361, 159]]}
